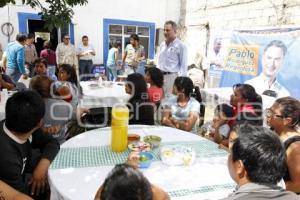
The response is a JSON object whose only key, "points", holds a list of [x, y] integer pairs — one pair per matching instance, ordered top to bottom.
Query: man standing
{"points": [[30, 52], [85, 52], [65, 53], [15, 55], [133, 55], [172, 59], [272, 61]]}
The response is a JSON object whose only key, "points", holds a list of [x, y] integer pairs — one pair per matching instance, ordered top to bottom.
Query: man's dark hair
{"points": [[172, 23], [30, 36], [21, 37], [84, 37], [135, 37], [277, 43], [41, 60], [156, 76], [24, 110], [261, 152], [126, 183]]}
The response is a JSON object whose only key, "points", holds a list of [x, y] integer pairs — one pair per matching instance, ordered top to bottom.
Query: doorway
{"points": [[37, 27]]}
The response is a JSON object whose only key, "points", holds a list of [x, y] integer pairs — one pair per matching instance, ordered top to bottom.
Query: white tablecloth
{"points": [[103, 96], [214, 96], [203, 180]]}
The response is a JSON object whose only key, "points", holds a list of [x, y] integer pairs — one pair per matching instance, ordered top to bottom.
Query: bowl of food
{"points": [[133, 138], [154, 140], [139, 146], [177, 155], [145, 159]]}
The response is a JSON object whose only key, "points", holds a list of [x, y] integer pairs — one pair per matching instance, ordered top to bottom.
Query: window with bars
{"points": [[121, 34]]}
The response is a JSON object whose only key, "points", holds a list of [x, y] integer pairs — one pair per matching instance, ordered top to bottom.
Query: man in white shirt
{"points": [[85, 52], [65, 53], [172, 59], [272, 61], [215, 63]]}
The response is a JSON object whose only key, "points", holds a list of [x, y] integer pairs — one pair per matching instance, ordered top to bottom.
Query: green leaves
{"points": [[56, 13]]}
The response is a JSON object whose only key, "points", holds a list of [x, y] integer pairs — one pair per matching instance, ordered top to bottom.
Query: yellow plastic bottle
{"points": [[119, 127]]}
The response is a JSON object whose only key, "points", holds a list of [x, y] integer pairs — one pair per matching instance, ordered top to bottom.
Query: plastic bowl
{"points": [[133, 138], [153, 140], [145, 159]]}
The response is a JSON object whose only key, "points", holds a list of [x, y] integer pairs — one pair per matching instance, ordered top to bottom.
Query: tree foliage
{"points": [[56, 13]]}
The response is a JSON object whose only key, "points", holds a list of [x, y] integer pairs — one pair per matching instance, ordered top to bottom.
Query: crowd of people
{"points": [[37, 118]]}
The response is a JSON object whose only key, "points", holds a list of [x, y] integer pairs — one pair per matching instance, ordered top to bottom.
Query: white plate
{"points": [[139, 146], [177, 155]]}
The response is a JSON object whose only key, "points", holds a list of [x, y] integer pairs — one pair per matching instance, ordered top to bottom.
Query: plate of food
{"points": [[139, 146], [177, 155]]}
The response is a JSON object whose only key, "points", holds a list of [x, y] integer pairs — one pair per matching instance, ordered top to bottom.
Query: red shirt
{"points": [[49, 55], [155, 94], [244, 108]]}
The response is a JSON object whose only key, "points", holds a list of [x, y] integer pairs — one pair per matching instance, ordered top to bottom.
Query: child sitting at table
{"points": [[155, 78], [68, 85], [181, 110], [218, 130], [126, 182]]}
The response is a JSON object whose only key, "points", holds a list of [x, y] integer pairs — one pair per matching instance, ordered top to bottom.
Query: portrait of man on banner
{"points": [[272, 62]]}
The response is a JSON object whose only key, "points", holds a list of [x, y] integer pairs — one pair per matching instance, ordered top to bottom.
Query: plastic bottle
{"points": [[119, 127]]}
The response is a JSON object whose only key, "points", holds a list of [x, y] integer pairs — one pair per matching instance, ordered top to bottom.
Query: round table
{"points": [[103, 96], [85, 160]]}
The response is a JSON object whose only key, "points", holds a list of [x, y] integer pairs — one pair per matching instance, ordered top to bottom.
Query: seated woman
{"points": [[41, 68], [155, 78], [246, 102], [140, 108], [181, 110], [58, 112], [284, 118], [218, 130], [126, 182], [9, 193]]}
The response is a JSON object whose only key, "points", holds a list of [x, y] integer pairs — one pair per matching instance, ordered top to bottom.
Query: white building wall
{"points": [[12, 18], [88, 19]]}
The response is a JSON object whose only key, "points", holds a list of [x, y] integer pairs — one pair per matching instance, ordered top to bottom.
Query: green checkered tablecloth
{"points": [[103, 156], [201, 190]]}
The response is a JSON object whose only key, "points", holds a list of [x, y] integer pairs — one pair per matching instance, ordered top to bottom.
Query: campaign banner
{"points": [[266, 59]]}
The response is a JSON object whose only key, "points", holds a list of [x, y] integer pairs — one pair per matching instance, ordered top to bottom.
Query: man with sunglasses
{"points": [[65, 52]]}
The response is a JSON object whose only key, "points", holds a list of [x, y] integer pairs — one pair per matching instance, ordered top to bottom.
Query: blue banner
{"points": [[266, 59]]}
